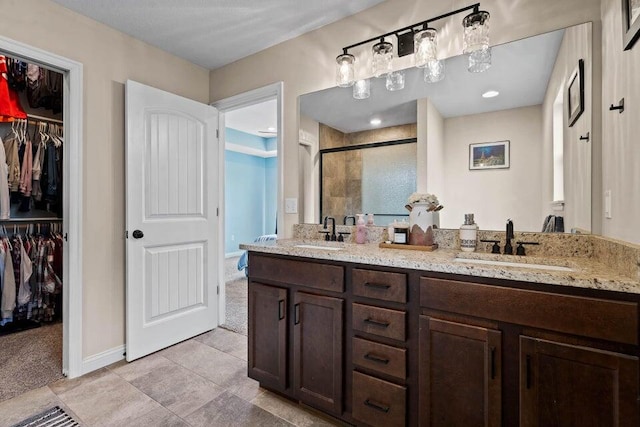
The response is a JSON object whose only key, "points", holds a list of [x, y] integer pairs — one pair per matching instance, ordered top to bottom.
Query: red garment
{"points": [[10, 107]]}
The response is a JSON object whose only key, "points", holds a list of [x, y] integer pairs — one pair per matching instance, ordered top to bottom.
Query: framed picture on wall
{"points": [[630, 23], [575, 93], [489, 155]]}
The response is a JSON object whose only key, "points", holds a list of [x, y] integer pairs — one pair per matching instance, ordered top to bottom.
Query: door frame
{"points": [[245, 99], [72, 361]]}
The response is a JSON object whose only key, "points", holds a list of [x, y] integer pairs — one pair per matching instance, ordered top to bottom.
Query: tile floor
{"points": [[199, 382]]}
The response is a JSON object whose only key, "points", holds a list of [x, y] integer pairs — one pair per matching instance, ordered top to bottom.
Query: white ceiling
{"points": [[213, 33], [520, 71], [255, 119]]}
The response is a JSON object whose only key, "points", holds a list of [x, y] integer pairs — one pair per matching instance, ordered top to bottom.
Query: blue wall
{"points": [[250, 192]]}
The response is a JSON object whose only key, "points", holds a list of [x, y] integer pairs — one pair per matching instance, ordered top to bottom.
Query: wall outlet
{"points": [[607, 204], [291, 206]]}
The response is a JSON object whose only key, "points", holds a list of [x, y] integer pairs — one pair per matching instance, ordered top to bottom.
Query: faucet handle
{"points": [[326, 234], [341, 235], [520, 248], [495, 249]]}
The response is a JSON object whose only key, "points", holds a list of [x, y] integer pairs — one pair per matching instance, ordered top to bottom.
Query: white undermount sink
{"points": [[319, 247], [513, 264]]}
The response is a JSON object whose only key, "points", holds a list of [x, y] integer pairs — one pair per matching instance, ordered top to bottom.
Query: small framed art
{"points": [[630, 23], [575, 93], [489, 155]]}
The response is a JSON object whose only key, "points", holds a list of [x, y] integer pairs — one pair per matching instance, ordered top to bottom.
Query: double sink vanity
{"points": [[388, 337]]}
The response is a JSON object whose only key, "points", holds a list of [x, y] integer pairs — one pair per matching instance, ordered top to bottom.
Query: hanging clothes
{"points": [[10, 107], [11, 148], [27, 168], [5, 201], [8, 283]]}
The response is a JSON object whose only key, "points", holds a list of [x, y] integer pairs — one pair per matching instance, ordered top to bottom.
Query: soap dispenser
{"points": [[361, 229], [468, 234]]}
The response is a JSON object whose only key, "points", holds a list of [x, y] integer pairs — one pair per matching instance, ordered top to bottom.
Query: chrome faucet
{"points": [[331, 236], [508, 249]]}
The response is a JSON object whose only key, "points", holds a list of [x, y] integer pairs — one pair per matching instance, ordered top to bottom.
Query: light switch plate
{"points": [[607, 204], [291, 206]]}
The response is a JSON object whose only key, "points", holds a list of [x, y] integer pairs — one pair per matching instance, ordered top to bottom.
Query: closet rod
{"points": [[46, 119], [14, 220]]}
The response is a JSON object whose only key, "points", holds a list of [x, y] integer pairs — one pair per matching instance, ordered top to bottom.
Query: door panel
{"points": [[172, 184]]}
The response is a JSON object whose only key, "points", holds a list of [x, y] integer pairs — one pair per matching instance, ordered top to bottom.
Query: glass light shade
{"points": [[476, 31], [425, 47], [382, 59], [480, 60], [345, 71], [434, 71], [395, 80], [362, 89]]}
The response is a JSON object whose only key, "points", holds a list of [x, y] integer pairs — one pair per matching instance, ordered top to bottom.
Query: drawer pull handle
{"points": [[377, 285], [281, 309], [296, 314], [376, 322], [375, 358], [493, 363], [528, 373], [376, 406]]}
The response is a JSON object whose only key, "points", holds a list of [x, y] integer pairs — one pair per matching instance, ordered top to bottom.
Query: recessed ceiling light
{"points": [[490, 94], [375, 122], [271, 129]]}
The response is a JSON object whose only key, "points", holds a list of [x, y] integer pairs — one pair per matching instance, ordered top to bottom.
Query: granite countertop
{"points": [[584, 273]]}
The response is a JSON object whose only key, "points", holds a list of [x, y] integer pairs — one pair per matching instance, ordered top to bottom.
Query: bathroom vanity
{"points": [[385, 337]]}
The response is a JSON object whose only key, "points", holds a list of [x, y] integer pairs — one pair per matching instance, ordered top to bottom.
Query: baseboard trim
{"points": [[100, 360]]}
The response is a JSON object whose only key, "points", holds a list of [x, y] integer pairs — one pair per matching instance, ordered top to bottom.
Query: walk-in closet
{"points": [[31, 219]]}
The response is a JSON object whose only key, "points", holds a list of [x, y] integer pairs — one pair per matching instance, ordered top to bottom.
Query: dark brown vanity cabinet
{"points": [[296, 330], [317, 350], [460, 374], [546, 382], [568, 385]]}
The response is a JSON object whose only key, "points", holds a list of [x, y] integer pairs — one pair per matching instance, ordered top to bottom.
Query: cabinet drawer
{"points": [[309, 274], [380, 285], [589, 317], [379, 321], [380, 358], [377, 402]]}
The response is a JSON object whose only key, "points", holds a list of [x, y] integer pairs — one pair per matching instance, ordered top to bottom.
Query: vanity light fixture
{"points": [[421, 40], [345, 71], [362, 89], [490, 94], [375, 122]]}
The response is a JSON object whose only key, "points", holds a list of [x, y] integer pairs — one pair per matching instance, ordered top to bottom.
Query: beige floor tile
{"points": [[227, 341], [141, 367], [221, 368], [65, 384], [244, 387], [177, 389], [108, 401], [21, 407], [229, 410], [290, 411], [160, 417]]}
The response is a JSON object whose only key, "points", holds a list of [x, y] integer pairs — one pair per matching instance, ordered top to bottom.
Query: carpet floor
{"points": [[237, 298], [30, 359]]}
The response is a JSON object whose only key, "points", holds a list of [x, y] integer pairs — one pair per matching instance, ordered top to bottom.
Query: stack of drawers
{"points": [[377, 401]]}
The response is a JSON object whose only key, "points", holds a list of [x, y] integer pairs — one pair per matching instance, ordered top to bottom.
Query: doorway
{"points": [[251, 146], [71, 196]]}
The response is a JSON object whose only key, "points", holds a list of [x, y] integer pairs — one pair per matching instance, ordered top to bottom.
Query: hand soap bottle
{"points": [[361, 229], [468, 234]]}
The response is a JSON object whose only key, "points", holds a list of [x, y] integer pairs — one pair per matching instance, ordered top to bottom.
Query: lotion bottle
{"points": [[468, 234]]}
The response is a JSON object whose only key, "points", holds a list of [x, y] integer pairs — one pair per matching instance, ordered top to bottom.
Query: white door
{"points": [[172, 181]]}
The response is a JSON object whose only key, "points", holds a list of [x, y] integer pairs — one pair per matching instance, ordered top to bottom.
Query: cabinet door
{"points": [[268, 335], [317, 337], [460, 374], [567, 385]]}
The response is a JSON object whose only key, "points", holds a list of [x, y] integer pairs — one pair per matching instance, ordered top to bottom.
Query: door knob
{"points": [[137, 234]]}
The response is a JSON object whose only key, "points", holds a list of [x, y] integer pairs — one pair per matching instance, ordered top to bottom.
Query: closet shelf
{"points": [[26, 219]]}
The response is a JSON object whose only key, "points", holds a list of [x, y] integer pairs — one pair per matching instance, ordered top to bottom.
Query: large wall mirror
{"points": [[549, 172]]}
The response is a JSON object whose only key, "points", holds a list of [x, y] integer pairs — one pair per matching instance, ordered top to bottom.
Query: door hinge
{"points": [[217, 133], [217, 211], [126, 234], [66, 237], [217, 290]]}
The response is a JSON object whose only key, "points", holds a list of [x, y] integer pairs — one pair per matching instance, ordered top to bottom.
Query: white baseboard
{"points": [[233, 254], [100, 360]]}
